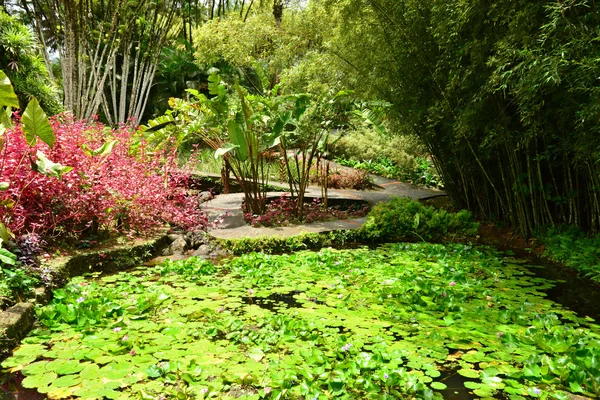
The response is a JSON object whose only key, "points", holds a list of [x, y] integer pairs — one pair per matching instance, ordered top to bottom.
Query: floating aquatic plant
{"points": [[394, 322]]}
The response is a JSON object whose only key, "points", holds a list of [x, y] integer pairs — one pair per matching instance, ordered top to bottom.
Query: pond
{"points": [[399, 321]]}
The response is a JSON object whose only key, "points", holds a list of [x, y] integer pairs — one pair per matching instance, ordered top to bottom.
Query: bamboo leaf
{"points": [[8, 98], [36, 124]]}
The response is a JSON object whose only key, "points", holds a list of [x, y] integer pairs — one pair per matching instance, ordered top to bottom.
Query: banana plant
{"points": [[35, 126], [251, 135]]}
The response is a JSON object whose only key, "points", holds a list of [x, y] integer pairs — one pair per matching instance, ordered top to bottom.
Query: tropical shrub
{"points": [[20, 59], [392, 156], [421, 171], [114, 184], [401, 219], [571, 246], [15, 284]]}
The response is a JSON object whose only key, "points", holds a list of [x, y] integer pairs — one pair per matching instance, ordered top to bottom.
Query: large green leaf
{"points": [[214, 85], [8, 98], [6, 117], [371, 119], [36, 124], [237, 137], [103, 150], [224, 150], [44, 166], [5, 233], [6, 257]]}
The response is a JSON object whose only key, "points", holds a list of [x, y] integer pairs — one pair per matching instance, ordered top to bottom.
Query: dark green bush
{"points": [[22, 62], [406, 219], [570, 245], [16, 284]]}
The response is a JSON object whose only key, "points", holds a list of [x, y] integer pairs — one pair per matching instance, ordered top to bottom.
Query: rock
{"points": [[205, 196], [174, 236], [197, 239], [178, 246], [203, 251], [15, 323]]}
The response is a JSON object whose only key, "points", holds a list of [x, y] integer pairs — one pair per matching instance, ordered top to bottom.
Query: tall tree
{"points": [[92, 37], [504, 94]]}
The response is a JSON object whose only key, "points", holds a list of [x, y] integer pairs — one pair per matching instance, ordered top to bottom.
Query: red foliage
{"points": [[344, 178], [125, 190], [283, 211]]}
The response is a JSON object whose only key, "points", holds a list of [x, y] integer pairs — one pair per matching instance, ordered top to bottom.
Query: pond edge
{"points": [[17, 321]]}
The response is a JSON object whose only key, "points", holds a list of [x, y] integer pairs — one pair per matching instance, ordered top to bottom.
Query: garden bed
{"points": [[282, 210], [404, 320]]}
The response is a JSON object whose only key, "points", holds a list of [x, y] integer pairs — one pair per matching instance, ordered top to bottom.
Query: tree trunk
{"points": [[278, 11]]}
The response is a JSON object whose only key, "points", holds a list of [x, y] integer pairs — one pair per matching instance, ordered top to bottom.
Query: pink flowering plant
{"points": [[113, 184]]}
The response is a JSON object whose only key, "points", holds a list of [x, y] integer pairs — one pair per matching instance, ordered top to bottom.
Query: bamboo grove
{"points": [[506, 95]]}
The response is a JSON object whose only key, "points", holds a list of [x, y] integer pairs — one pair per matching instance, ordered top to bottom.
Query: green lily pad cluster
{"points": [[395, 322]]}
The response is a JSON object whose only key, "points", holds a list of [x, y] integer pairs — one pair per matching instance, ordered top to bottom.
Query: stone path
{"points": [[235, 227]]}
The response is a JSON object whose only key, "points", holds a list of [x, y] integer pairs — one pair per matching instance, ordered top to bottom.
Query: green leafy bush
{"points": [[20, 59], [367, 144], [397, 157], [405, 219], [570, 245], [15, 284]]}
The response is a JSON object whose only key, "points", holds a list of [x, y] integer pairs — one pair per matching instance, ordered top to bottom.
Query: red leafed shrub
{"points": [[344, 179], [126, 189], [282, 211]]}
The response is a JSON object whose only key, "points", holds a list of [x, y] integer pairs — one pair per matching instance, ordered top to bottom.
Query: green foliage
{"points": [[257, 51], [21, 60], [176, 72], [503, 95], [8, 98], [36, 124], [392, 156], [421, 172], [401, 219], [278, 245], [569, 245], [192, 269], [15, 283], [382, 323]]}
